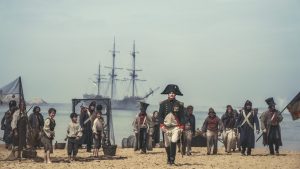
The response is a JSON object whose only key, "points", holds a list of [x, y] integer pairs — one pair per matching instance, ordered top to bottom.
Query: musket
{"points": [[263, 132]]}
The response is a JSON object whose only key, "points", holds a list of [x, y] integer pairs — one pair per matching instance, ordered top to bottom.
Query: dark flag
{"points": [[294, 107]]}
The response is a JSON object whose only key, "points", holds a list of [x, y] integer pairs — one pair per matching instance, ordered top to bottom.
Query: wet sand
{"points": [[156, 159]]}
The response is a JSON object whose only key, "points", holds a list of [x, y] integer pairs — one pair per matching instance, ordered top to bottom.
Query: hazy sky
{"points": [[217, 51]]}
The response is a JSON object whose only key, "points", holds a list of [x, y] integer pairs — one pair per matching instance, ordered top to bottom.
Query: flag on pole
{"points": [[12, 91], [294, 107]]}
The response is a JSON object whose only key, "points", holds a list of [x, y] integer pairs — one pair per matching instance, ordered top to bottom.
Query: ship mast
{"points": [[133, 73], [113, 74], [99, 78]]}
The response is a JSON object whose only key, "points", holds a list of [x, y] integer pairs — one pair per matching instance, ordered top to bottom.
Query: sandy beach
{"points": [[127, 158]]}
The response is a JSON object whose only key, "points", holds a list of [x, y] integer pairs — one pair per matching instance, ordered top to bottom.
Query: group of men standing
{"points": [[237, 128]]}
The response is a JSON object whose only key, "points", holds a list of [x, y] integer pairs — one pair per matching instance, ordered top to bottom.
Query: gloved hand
{"points": [[264, 130], [257, 131]]}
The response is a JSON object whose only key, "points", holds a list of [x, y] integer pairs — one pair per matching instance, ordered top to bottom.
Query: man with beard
{"points": [[171, 113], [6, 124], [36, 124], [245, 124], [86, 125], [141, 126], [270, 126], [212, 127], [229, 135]]}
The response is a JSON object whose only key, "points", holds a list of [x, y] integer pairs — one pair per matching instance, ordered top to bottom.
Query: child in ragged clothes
{"points": [[98, 127], [74, 132]]}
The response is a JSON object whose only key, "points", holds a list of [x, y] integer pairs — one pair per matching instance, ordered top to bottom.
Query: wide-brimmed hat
{"points": [[172, 88], [270, 101]]}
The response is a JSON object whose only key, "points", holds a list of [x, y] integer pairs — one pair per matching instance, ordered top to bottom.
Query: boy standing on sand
{"points": [[98, 127], [48, 134], [73, 135]]}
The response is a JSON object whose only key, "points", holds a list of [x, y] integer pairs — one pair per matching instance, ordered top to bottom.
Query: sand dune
{"points": [[127, 158]]}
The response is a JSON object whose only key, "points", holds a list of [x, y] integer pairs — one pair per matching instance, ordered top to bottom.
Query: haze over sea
{"points": [[122, 120]]}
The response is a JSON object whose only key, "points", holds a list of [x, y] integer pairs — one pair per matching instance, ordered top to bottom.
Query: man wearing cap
{"points": [[172, 120], [6, 124], [245, 124], [141, 126], [270, 126], [212, 127]]}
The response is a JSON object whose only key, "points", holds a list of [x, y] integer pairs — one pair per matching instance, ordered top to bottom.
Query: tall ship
{"points": [[127, 102]]}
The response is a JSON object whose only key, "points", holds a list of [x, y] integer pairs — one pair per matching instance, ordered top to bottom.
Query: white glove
{"points": [[264, 130]]}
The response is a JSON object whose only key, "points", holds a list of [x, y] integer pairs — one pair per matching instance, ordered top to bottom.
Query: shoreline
{"points": [[127, 158]]}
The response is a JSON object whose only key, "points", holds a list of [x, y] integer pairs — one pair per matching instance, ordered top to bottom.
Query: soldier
{"points": [[171, 113], [229, 119], [6, 124], [36, 124], [245, 124], [19, 126], [141, 126], [270, 126], [212, 127], [189, 130], [48, 134]]}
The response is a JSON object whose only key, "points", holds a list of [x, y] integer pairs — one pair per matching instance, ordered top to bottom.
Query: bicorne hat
{"points": [[172, 88]]}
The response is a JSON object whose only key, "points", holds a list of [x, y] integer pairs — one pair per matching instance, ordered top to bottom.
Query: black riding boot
{"points": [[271, 148], [277, 149], [248, 151], [173, 153], [168, 155]]}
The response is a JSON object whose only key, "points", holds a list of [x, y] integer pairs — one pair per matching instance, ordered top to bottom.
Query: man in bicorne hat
{"points": [[172, 120], [245, 124], [141, 126], [270, 126]]}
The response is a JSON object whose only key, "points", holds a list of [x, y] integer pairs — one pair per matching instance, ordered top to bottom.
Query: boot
{"points": [[271, 148], [277, 149], [243, 151], [249, 152], [173, 153], [168, 154]]}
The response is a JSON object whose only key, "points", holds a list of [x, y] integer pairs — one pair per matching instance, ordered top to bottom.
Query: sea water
{"points": [[122, 124]]}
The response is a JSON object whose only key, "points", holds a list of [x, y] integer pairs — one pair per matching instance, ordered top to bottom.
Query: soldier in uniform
{"points": [[171, 113], [6, 124], [245, 124], [141, 126], [270, 126]]}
